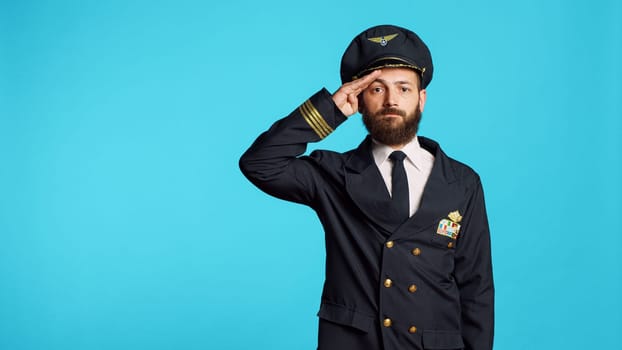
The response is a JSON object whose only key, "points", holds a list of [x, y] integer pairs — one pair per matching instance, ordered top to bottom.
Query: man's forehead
{"points": [[398, 76]]}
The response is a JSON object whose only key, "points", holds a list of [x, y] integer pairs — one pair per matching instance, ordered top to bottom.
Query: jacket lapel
{"points": [[366, 187], [439, 195]]}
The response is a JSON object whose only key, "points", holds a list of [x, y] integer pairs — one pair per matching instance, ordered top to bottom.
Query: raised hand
{"points": [[346, 98]]}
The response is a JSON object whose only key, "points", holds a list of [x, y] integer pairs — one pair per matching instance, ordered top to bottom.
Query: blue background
{"points": [[125, 223]]}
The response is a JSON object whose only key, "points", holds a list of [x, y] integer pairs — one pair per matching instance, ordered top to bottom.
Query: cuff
{"points": [[321, 113]]}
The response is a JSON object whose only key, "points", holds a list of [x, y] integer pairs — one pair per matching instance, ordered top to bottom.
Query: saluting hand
{"points": [[346, 98]]}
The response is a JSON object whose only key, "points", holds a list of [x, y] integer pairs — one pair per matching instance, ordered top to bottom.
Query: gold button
{"points": [[389, 244], [450, 245], [416, 251], [388, 283], [412, 288], [387, 322], [412, 329]]}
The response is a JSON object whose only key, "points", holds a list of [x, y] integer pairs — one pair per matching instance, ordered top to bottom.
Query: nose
{"points": [[390, 98]]}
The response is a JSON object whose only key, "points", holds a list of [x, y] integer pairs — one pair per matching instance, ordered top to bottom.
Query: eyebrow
{"points": [[394, 83]]}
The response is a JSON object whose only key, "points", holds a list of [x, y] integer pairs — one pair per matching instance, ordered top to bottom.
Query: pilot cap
{"points": [[386, 46]]}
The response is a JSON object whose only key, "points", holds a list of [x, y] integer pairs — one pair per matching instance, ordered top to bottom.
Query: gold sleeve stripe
{"points": [[315, 120], [310, 122]]}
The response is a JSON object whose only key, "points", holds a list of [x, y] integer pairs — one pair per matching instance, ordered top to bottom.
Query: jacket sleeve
{"points": [[274, 164], [473, 273]]}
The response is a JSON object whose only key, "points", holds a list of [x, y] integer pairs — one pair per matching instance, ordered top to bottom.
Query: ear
{"points": [[422, 97]]}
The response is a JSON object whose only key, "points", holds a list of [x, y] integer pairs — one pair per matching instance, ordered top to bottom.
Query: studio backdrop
{"points": [[125, 222]]}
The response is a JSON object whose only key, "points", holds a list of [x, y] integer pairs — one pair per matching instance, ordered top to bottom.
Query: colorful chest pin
{"points": [[450, 227]]}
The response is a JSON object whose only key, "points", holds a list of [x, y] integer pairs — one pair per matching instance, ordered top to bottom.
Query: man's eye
{"points": [[376, 89], [405, 89]]}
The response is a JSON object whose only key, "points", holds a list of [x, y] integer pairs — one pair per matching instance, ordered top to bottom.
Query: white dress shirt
{"points": [[418, 164]]}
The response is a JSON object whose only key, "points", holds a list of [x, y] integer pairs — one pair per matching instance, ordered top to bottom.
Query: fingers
{"points": [[358, 85], [346, 98]]}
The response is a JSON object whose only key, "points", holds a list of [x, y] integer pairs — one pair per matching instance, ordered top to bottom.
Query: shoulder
{"points": [[361, 153], [328, 157], [453, 168], [464, 173]]}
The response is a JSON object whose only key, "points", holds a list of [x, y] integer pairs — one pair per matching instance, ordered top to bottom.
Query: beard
{"points": [[392, 131]]}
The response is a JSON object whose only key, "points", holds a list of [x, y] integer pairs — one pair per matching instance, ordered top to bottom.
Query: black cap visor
{"points": [[389, 62]]}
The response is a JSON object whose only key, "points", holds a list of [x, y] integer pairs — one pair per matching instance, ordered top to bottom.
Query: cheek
{"points": [[371, 102]]}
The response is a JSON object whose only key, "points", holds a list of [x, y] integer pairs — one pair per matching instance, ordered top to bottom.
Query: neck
{"points": [[397, 147]]}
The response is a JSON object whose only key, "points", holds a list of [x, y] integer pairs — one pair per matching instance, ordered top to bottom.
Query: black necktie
{"points": [[399, 184]]}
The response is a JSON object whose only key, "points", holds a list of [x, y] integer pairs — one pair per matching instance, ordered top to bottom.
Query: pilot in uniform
{"points": [[408, 261]]}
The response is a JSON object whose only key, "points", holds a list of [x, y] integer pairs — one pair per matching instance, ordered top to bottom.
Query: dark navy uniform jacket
{"points": [[389, 285]]}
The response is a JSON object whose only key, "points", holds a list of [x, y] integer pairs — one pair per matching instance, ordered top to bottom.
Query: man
{"points": [[408, 262]]}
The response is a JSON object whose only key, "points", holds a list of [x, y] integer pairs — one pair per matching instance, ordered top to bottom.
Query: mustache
{"points": [[390, 110]]}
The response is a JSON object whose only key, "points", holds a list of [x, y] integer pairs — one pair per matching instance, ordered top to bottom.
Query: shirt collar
{"points": [[414, 153]]}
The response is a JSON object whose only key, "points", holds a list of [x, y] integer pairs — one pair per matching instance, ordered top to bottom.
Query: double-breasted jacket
{"points": [[388, 284]]}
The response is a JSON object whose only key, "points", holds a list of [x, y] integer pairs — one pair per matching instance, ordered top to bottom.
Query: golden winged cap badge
{"points": [[383, 40], [455, 216]]}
